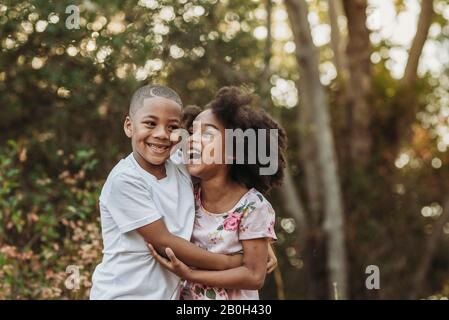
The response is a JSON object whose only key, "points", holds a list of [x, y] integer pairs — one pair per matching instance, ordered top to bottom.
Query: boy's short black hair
{"points": [[149, 91]]}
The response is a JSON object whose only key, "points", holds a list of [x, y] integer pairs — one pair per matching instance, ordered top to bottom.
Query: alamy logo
{"points": [[73, 20], [251, 146], [73, 280], [373, 280]]}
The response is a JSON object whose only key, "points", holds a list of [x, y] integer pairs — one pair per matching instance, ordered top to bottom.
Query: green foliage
{"points": [[64, 95], [48, 222]]}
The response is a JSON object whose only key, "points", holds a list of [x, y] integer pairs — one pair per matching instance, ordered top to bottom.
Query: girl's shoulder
{"points": [[255, 196], [253, 200], [257, 217]]}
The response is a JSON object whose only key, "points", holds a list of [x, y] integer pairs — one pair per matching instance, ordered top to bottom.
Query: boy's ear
{"points": [[127, 127]]}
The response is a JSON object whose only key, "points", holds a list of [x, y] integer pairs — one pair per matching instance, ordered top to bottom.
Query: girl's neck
{"points": [[220, 194]]}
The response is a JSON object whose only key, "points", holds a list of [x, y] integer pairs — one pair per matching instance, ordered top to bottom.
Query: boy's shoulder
{"points": [[124, 169], [122, 177]]}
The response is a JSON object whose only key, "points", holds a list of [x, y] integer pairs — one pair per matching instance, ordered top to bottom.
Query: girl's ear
{"points": [[127, 127]]}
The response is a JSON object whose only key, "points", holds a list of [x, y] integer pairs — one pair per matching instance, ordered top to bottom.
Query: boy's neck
{"points": [[156, 170]]}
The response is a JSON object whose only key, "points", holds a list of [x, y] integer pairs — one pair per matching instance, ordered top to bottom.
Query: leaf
{"points": [[240, 209], [198, 290], [210, 293]]}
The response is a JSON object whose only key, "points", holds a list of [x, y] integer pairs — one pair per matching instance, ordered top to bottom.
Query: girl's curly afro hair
{"points": [[233, 109]]}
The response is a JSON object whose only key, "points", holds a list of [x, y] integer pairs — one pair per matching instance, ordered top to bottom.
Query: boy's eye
{"points": [[150, 124], [173, 127]]}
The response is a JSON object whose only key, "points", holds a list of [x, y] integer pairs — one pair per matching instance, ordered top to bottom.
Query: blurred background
{"points": [[361, 86]]}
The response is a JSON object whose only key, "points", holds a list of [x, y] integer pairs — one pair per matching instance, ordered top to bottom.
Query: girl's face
{"points": [[150, 127], [206, 146]]}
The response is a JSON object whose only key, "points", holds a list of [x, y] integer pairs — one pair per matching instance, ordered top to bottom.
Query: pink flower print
{"points": [[231, 223], [271, 227], [197, 291], [223, 294]]}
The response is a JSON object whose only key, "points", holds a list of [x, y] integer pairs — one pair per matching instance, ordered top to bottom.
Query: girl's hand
{"points": [[272, 262], [172, 264]]}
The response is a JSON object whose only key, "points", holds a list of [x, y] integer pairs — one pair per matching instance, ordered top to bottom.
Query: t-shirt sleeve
{"points": [[130, 203], [257, 221]]}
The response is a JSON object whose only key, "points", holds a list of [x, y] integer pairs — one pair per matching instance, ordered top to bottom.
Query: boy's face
{"points": [[150, 127]]}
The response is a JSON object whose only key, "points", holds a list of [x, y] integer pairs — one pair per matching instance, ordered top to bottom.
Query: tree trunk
{"points": [[424, 21], [338, 42], [359, 51], [344, 97], [314, 99], [405, 100], [308, 146], [288, 191], [429, 252]]}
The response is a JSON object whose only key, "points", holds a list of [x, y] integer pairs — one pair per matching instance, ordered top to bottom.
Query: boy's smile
{"points": [[150, 128], [158, 148]]}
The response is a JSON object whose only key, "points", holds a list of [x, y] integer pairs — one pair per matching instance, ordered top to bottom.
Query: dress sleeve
{"points": [[257, 220]]}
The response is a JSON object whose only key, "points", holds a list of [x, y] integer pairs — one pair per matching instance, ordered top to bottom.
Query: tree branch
{"points": [[425, 19]]}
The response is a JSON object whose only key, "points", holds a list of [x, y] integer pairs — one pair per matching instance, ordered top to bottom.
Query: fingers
{"points": [[175, 136], [152, 250], [154, 253], [171, 255], [157, 256], [271, 265]]}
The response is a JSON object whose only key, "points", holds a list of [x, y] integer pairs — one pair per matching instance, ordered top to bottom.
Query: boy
{"points": [[147, 198]]}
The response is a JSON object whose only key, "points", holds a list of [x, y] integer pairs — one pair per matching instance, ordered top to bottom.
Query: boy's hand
{"points": [[272, 262], [172, 264]]}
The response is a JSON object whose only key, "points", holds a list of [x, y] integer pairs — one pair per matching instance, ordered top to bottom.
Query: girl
{"points": [[232, 215]]}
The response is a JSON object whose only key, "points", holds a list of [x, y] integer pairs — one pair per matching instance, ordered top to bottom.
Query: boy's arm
{"points": [[157, 234], [251, 275]]}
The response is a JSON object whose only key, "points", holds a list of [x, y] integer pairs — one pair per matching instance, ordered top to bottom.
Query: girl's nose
{"points": [[194, 140]]}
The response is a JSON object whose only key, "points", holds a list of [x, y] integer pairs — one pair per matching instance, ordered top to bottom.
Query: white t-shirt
{"points": [[132, 198]]}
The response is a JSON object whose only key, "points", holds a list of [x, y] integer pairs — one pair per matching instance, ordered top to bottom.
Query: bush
{"points": [[48, 221]]}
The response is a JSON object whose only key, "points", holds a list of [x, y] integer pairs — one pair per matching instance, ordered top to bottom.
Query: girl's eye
{"points": [[151, 124], [173, 128], [208, 135]]}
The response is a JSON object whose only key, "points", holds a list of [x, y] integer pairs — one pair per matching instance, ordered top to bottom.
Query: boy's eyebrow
{"points": [[149, 116], [156, 118]]}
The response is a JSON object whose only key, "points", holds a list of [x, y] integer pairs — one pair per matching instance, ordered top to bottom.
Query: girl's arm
{"points": [[158, 235], [251, 275]]}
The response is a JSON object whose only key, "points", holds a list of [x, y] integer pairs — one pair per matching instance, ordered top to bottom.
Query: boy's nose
{"points": [[161, 133]]}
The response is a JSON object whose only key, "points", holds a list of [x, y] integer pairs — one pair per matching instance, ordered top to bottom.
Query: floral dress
{"points": [[251, 218]]}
